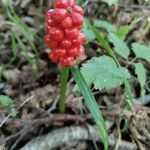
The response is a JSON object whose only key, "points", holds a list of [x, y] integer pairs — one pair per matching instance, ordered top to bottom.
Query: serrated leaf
{"points": [[110, 2], [105, 25], [87, 31], [123, 31], [104, 43], [119, 45], [141, 51], [104, 73], [141, 75], [5, 100]]}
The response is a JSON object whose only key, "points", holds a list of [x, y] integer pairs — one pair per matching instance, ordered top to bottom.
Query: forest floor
{"points": [[35, 90]]}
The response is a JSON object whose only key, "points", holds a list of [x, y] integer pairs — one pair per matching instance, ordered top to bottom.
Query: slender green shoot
{"points": [[22, 28], [13, 58], [63, 87], [92, 105]]}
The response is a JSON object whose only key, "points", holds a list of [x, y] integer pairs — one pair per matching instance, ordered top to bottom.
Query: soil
{"points": [[34, 89]]}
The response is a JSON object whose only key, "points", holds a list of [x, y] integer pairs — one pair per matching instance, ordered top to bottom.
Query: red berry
{"points": [[61, 3], [71, 3], [78, 9], [49, 13], [59, 15], [77, 19], [50, 22], [66, 23], [63, 27], [79, 27], [56, 33], [72, 33], [46, 38], [80, 40], [75, 42], [66, 43], [52, 44], [81, 50], [73, 51], [60, 52], [53, 57], [67, 61]]}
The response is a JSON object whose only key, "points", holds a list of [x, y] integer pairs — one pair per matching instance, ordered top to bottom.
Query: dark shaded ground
{"points": [[35, 90]]}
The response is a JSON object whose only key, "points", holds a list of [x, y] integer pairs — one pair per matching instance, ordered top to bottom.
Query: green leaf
{"points": [[110, 2], [105, 25], [87, 31], [123, 31], [104, 43], [120, 45], [14, 47], [141, 51], [12, 59], [104, 73], [141, 75], [148, 86], [5, 100], [92, 105], [14, 112]]}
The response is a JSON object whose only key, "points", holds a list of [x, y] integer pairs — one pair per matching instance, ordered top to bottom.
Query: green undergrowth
{"points": [[22, 35], [106, 71]]}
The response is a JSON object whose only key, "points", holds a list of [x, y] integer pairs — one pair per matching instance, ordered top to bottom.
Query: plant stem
{"points": [[63, 87]]}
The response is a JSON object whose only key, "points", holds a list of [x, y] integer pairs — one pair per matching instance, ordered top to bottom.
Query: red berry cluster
{"points": [[64, 37]]}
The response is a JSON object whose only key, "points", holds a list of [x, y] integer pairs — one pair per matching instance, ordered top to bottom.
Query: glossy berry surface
{"points": [[61, 3], [78, 9], [77, 19], [66, 23], [56, 33], [63, 33], [72, 33], [66, 43], [73, 51], [53, 57], [67, 61]]}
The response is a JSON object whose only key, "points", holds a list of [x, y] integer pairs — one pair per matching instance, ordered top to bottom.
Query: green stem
{"points": [[63, 87]]}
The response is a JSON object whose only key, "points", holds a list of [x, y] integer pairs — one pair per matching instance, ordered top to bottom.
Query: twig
{"points": [[142, 100], [53, 107], [48, 120], [61, 136], [11, 137], [18, 140]]}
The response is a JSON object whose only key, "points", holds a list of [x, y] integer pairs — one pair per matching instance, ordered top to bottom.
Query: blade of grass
{"points": [[23, 28], [26, 34], [22, 46], [13, 58], [91, 104]]}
